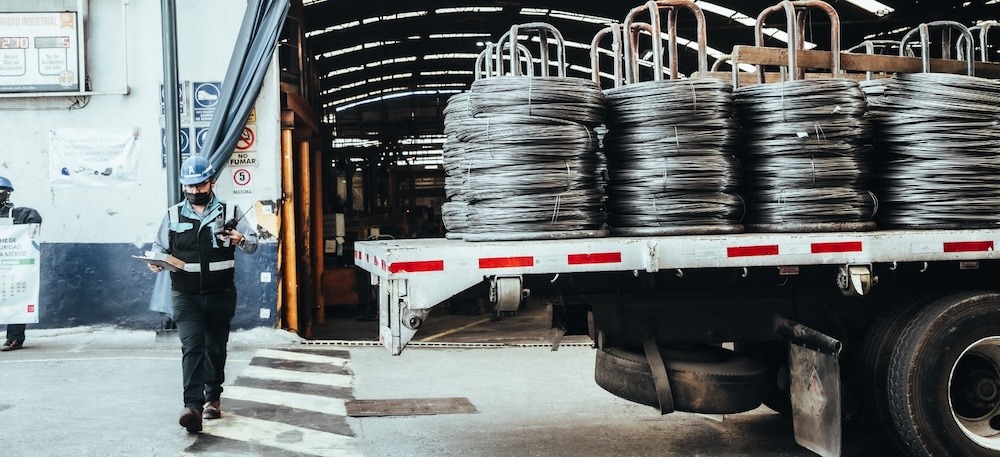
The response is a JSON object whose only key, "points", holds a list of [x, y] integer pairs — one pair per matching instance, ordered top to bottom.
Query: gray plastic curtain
{"points": [[251, 56]]}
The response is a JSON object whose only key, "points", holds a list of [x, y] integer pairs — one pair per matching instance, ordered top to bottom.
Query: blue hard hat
{"points": [[196, 170], [6, 184]]}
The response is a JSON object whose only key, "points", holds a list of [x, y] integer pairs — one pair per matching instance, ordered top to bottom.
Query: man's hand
{"points": [[235, 237], [154, 268]]}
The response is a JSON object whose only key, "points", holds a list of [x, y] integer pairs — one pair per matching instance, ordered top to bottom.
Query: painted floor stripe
{"points": [[301, 357], [276, 374], [289, 399], [282, 436]]}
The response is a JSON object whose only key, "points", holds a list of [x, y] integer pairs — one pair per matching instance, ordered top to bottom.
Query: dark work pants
{"points": [[203, 326], [15, 332]]}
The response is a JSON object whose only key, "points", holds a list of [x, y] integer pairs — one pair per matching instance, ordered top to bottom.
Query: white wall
{"points": [[125, 67]]}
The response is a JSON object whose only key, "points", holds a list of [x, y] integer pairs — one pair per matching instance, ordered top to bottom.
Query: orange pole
{"points": [[304, 226], [319, 249], [289, 272]]}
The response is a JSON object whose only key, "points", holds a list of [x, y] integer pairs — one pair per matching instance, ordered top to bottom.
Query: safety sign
{"points": [[39, 52], [206, 99], [181, 102], [200, 138], [184, 139], [248, 139], [241, 177], [241, 182]]}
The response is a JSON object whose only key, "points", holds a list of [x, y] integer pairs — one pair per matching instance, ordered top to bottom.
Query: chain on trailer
{"points": [[937, 134], [670, 142], [806, 143], [526, 154]]}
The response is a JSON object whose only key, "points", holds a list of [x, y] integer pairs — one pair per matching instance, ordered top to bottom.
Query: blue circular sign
{"points": [[206, 95]]}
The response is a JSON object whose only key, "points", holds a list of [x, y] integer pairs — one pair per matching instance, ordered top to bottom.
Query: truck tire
{"points": [[774, 356], [873, 362], [944, 377], [703, 379]]}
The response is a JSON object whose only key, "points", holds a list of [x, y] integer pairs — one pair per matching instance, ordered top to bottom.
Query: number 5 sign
{"points": [[241, 177]]}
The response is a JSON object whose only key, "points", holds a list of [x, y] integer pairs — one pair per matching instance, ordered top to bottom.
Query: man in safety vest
{"points": [[22, 215], [203, 232]]}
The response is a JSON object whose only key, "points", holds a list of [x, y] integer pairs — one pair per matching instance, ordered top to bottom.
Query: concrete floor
{"points": [[102, 391]]}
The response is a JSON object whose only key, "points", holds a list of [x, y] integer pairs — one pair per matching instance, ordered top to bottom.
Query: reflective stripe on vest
{"points": [[212, 266]]}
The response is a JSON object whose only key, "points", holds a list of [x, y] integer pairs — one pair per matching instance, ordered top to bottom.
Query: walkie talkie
{"points": [[229, 225]]}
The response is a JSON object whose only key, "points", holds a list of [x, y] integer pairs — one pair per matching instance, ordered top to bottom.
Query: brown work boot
{"points": [[11, 345], [213, 410], [191, 419]]}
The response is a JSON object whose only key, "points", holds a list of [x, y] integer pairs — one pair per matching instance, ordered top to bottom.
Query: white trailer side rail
{"points": [[417, 274]]}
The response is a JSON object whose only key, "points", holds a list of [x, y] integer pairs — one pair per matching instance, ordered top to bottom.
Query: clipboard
{"points": [[165, 261]]}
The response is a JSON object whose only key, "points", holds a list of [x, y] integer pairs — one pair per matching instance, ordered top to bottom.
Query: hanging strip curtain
{"points": [[244, 77]]}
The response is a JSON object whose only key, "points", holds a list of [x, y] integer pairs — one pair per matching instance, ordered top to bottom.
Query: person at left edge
{"points": [[22, 215], [203, 295]]}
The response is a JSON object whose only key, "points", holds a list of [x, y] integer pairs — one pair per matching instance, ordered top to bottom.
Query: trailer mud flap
{"points": [[815, 388]]}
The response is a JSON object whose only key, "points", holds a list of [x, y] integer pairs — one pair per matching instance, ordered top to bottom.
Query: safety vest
{"points": [[208, 261]]}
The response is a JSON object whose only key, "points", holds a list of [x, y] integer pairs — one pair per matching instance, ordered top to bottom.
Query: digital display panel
{"points": [[13, 42], [42, 42]]}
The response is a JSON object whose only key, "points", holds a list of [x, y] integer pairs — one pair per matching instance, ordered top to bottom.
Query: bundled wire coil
{"points": [[573, 99], [938, 138], [806, 151], [522, 157], [670, 158], [569, 211], [455, 215]]}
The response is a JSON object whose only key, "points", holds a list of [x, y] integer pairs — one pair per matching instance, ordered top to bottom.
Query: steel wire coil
{"points": [[574, 99], [669, 102], [520, 129], [805, 147], [938, 149], [523, 158], [670, 162], [775, 172], [700, 173], [527, 179], [798, 205], [640, 208], [565, 211], [455, 215]]}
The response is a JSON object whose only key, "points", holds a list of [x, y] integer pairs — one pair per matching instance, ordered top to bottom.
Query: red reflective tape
{"points": [[839, 246], [968, 246], [750, 251], [598, 257], [506, 262], [416, 267]]}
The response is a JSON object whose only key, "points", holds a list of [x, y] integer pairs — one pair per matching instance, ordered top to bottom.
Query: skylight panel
{"points": [[872, 6], [469, 9]]}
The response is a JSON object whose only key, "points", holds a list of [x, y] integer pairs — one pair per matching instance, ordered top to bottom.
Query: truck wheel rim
{"points": [[974, 392]]}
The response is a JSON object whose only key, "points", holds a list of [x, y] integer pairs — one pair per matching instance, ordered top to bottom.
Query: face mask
{"points": [[201, 198]]}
